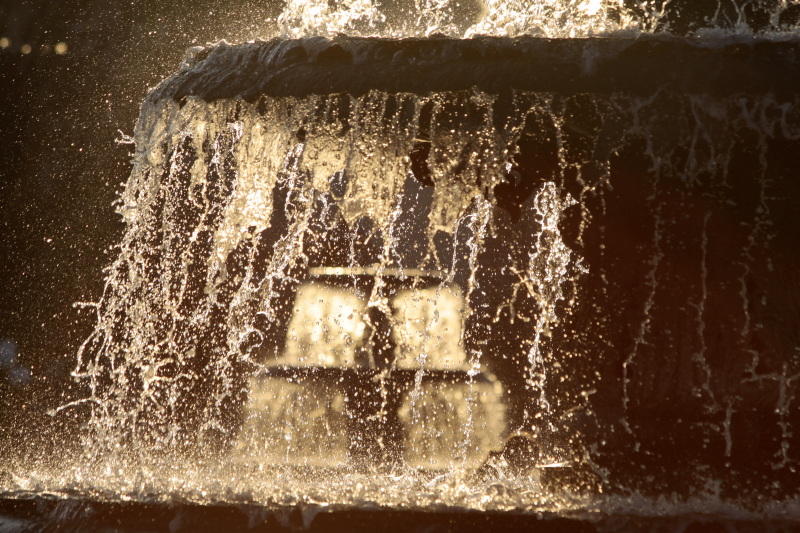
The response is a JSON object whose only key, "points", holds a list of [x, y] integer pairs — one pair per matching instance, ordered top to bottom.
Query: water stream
{"points": [[357, 299]]}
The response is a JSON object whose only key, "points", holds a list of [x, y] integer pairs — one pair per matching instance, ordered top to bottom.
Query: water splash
{"points": [[539, 18], [372, 239]]}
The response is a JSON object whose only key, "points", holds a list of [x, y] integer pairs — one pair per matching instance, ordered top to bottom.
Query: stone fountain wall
{"points": [[620, 214]]}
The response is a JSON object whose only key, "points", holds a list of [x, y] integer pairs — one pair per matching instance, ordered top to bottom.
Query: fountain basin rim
{"points": [[358, 65], [39, 512]]}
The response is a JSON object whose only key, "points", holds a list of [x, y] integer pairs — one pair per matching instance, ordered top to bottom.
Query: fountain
{"points": [[498, 273]]}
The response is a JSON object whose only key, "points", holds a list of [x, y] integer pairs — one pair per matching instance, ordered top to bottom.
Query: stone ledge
{"points": [[492, 64]]}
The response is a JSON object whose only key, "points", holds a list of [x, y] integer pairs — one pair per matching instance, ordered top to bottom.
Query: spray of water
{"points": [[539, 18], [310, 234]]}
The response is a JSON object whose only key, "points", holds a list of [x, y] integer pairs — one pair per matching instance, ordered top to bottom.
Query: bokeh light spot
{"points": [[8, 354], [19, 376]]}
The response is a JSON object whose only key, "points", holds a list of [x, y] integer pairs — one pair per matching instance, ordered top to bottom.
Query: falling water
{"points": [[347, 299]]}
